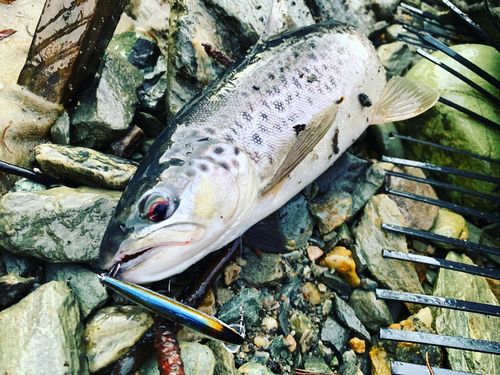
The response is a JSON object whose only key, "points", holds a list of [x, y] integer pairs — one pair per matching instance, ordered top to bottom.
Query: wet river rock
{"points": [[95, 168], [58, 225], [371, 239], [50, 342]]}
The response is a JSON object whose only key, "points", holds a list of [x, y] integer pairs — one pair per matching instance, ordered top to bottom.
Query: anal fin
{"points": [[403, 99], [315, 130]]}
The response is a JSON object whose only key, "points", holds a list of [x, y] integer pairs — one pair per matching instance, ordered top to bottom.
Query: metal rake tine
{"points": [[426, 15], [472, 25], [417, 29], [413, 41], [460, 76], [470, 113], [451, 149], [439, 169], [29, 174], [444, 185], [438, 238], [442, 263]]}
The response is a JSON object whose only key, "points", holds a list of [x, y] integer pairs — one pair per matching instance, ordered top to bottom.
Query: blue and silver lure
{"points": [[174, 310]]}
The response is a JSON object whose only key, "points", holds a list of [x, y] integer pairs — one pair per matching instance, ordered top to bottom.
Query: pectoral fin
{"points": [[403, 99], [308, 139], [267, 235]]}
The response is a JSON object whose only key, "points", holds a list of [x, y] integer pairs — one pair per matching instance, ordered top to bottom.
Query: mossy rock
{"points": [[449, 127]]}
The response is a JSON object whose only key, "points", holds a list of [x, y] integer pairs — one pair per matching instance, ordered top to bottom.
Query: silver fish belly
{"points": [[205, 180]]}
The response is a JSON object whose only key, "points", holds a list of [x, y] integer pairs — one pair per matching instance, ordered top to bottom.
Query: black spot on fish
{"points": [[312, 45], [296, 54], [312, 56], [282, 70], [301, 75], [271, 76], [312, 78], [296, 83], [256, 88], [244, 94], [288, 99], [364, 100], [278, 106], [246, 116], [264, 116], [238, 124], [263, 128], [299, 129], [210, 131], [228, 138], [204, 139], [257, 139], [336, 142], [218, 150], [236, 151], [270, 158], [236, 163], [225, 166], [203, 168], [190, 174]]}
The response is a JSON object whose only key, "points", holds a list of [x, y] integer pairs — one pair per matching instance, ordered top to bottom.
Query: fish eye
{"points": [[157, 207]]}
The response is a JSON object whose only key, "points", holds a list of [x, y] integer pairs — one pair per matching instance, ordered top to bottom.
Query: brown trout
{"points": [[250, 142]]}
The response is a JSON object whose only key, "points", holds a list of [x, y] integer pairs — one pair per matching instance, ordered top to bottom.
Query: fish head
{"points": [[178, 209]]}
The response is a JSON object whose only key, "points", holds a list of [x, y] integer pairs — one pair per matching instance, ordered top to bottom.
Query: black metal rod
{"points": [[427, 15], [417, 29], [488, 39], [412, 41], [462, 60], [460, 76], [468, 112], [451, 149], [439, 169], [26, 173], [444, 185], [451, 206], [436, 237], [442, 263], [446, 303], [481, 346], [403, 368]]}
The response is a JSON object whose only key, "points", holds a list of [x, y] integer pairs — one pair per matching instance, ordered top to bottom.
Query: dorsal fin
{"points": [[279, 20], [402, 99], [308, 139]]}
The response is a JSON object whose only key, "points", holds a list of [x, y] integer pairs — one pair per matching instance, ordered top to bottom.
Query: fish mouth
{"points": [[135, 253]]}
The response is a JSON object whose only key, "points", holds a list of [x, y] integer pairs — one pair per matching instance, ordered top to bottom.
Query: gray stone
{"points": [[384, 9], [354, 12], [397, 58], [108, 106], [149, 124], [60, 130], [95, 168], [352, 175], [28, 186], [331, 210], [417, 215], [297, 222], [59, 225], [371, 239], [19, 265], [265, 271], [368, 284], [338, 285], [13, 288], [471, 288], [90, 292], [248, 299], [372, 312], [348, 317], [301, 323], [112, 331], [334, 334], [50, 342], [276, 346], [261, 357], [198, 359], [224, 361], [316, 364], [349, 366], [151, 367], [252, 368]]}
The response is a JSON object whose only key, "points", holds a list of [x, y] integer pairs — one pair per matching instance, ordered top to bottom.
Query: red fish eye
{"points": [[158, 211]]}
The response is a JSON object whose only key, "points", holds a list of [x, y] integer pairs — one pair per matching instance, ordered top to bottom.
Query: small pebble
{"points": [[314, 252], [231, 273], [312, 293], [269, 324], [260, 341], [292, 343], [359, 346]]}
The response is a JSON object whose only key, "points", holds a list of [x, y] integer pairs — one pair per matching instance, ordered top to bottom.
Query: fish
{"points": [[250, 142], [174, 310]]}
